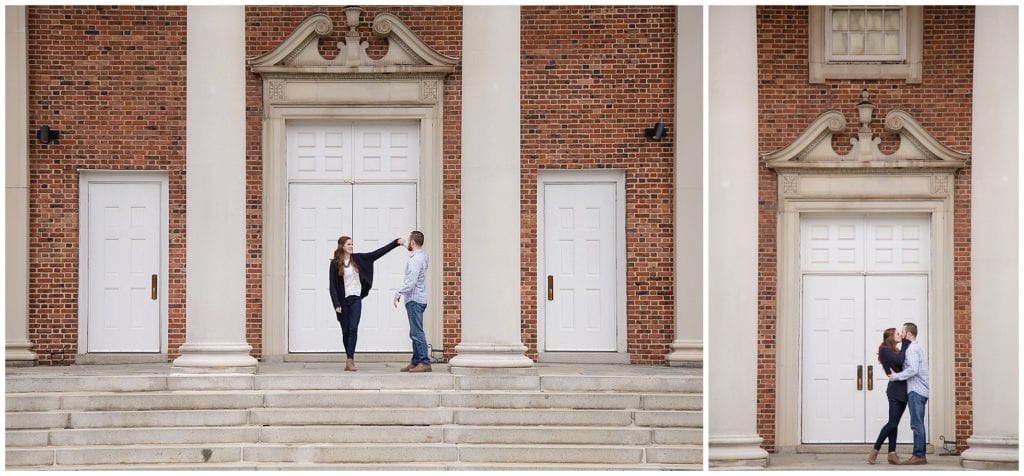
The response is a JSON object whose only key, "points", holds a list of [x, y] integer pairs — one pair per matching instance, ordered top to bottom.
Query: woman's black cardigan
{"points": [[364, 262], [892, 362]]}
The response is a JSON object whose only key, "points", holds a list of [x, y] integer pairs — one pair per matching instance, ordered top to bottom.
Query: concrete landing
{"points": [[856, 462]]}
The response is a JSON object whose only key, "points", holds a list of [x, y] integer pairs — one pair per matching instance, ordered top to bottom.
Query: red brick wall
{"points": [[441, 29], [112, 80], [592, 80], [787, 104]]}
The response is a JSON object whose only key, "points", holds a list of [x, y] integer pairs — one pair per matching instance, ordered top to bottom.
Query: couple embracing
{"points": [[351, 278], [907, 368]]}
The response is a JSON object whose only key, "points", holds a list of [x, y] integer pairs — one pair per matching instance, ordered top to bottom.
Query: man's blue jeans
{"points": [[419, 340], [916, 404]]}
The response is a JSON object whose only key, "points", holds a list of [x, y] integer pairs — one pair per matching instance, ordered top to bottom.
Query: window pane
{"points": [[874, 19], [892, 19], [840, 20], [857, 20], [838, 43], [856, 43], [875, 43], [892, 43]]}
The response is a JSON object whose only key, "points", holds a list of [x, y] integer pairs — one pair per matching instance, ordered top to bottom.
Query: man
{"points": [[415, 291], [915, 372]]}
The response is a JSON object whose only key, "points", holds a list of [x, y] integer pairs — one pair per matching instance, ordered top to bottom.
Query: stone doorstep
{"points": [[355, 453]]}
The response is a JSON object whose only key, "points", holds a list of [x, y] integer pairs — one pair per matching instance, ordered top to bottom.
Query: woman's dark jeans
{"points": [[349, 320], [896, 409]]}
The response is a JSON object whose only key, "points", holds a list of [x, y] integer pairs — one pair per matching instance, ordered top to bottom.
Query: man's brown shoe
{"points": [[406, 368], [421, 368], [872, 456], [893, 458], [916, 460]]}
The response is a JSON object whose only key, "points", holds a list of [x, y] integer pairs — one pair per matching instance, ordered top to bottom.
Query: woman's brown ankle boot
{"points": [[350, 365], [893, 459]]}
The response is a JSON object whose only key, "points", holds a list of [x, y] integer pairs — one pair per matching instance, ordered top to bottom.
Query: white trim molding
{"points": [[820, 69], [299, 84], [91, 176], [593, 176], [918, 178]]}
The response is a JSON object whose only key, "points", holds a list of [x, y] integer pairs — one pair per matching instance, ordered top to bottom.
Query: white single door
{"points": [[384, 212], [318, 214], [124, 265], [579, 267], [891, 301], [833, 359]]}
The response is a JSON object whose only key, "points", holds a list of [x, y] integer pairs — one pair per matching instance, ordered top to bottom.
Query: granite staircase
{"points": [[316, 417]]}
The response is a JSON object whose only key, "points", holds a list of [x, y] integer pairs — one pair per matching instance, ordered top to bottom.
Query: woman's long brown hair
{"points": [[339, 254], [888, 342]]}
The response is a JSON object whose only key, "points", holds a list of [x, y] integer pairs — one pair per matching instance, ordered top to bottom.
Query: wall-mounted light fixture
{"points": [[656, 132], [45, 135]]}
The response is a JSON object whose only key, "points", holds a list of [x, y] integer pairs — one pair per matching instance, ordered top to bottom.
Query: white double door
{"points": [[357, 180], [124, 236], [579, 275], [862, 275]]}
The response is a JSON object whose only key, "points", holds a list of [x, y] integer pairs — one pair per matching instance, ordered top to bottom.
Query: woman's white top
{"points": [[352, 285]]}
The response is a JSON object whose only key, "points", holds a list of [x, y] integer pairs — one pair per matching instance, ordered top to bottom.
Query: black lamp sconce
{"points": [[656, 132], [45, 135]]}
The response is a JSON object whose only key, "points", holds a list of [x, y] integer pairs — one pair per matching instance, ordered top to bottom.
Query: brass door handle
{"points": [[152, 287], [551, 288], [860, 377], [871, 377]]}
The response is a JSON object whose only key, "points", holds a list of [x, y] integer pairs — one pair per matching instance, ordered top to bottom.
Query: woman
{"points": [[351, 279], [891, 359]]}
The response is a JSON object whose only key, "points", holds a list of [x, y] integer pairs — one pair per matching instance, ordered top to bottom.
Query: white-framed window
{"points": [[872, 34], [874, 42]]}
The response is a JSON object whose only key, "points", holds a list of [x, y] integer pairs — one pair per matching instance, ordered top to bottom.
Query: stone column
{"points": [[490, 190], [215, 191], [732, 238], [994, 246], [688, 348], [19, 349]]}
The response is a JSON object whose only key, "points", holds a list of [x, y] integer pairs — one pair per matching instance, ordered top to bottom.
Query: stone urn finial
{"points": [[352, 18], [865, 109]]}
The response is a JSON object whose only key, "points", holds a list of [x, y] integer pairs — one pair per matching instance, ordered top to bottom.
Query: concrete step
{"points": [[404, 381], [127, 383], [638, 383], [351, 399], [193, 400], [524, 400], [349, 416], [543, 417], [159, 418], [662, 419], [32, 420], [352, 434], [547, 435], [153, 436], [26, 438], [352, 453], [135, 454], [550, 454], [682, 454], [425, 466]]}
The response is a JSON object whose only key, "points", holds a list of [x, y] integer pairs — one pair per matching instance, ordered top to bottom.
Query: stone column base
{"points": [[686, 353], [19, 354], [490, 356], [216, 358], [736, 452], [991, 453]]}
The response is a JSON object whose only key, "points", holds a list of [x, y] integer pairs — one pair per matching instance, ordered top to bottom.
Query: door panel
{"points": [[320, 150], [386, 151], [384, 212], [318, 214], [831, 243], [897, 243], [580, 252], [124, 254], [891, 301], [833, 344]]}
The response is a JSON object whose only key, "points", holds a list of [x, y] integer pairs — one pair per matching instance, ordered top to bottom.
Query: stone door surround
{"points": [[407, 83], [917, 178]]}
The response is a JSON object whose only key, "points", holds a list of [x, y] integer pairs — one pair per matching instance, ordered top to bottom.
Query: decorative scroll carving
{"points": [[406, 53], [276, 89], [428, 90], [917, 148], [790, 184]]}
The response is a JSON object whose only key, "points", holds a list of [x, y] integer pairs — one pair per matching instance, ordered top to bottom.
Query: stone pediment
{"points": [[299, 54], [917, 148]]}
